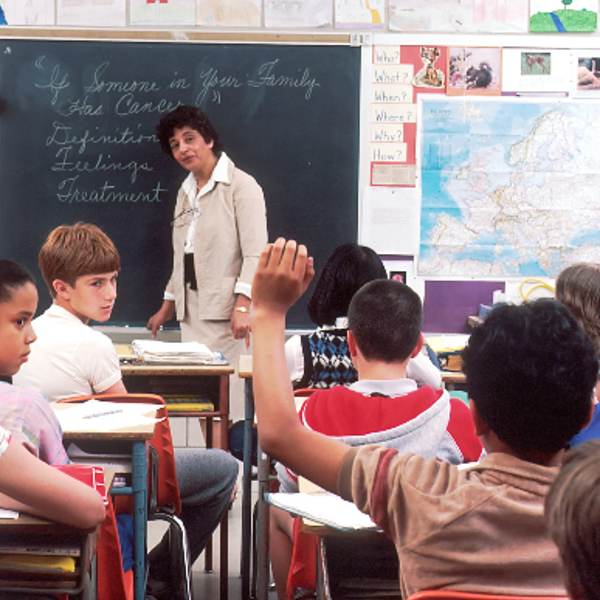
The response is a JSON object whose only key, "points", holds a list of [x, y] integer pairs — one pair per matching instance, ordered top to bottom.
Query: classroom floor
{"points": [[206, 585]]}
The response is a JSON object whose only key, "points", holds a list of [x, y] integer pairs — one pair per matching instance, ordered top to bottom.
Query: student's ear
{"points": [[62, 289], [419, 346], [352, 347], [481, 427]]}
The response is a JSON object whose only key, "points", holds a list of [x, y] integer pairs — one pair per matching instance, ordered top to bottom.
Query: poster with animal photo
{"points": [[535, 70], [585, 70], [474, 71]]}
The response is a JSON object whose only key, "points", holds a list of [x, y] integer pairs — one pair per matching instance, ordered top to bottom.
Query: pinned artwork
{"points": [[28, 12], [162, 12], [93, 13], [229, 13], [298, 13], [359, 13], [459, 16], [563, 16], [532, 70], [475, 71], [429, 76]]}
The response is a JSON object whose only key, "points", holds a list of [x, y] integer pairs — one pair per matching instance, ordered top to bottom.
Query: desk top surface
{"points": [[245, 371]]}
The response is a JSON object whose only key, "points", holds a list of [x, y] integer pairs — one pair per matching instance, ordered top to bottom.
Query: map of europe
{"points": [[509, 188]]}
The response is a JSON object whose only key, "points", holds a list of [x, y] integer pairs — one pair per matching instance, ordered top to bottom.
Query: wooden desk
{"points": [[454, 380], [211, 381], [136, 437], [28, 526], [49, 532]]}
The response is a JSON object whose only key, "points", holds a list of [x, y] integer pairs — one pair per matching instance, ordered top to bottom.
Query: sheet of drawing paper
{"points": [[29, 12], [155, 12], [111, 13], [229, 13], [299, 13], [359, 13], [459, 16], [563, 16], [535, 70], [390, 220], [448, 304]]}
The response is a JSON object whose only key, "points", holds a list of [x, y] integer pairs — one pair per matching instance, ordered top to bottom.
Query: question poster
{"points": [[399, 74]]}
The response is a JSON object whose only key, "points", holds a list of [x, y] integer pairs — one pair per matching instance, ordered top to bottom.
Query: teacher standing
{"points": [[219, 231]]}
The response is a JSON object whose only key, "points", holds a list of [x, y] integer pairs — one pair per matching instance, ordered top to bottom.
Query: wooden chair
{"points": [[164, 502]]}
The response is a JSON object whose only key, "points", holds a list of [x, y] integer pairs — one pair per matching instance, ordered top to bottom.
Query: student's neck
{"points": [[60, 302], [376, 370], [492, 444]]}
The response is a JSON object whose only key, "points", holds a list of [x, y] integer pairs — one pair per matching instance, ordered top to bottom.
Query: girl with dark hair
{"points": [[578, 288], [322, 359]]}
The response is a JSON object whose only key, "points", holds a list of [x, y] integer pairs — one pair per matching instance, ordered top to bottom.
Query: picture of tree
{"points": [[563, 16]]}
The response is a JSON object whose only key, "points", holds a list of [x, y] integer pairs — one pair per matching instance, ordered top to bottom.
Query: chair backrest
{"points": [[304, 392], [167, 488], [455, 595]]}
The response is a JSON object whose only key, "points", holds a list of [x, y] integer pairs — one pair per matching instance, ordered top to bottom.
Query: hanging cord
{"points": [[536, 284]]}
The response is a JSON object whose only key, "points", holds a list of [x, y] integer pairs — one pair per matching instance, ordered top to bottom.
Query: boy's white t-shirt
{"points": [[68, 358]]}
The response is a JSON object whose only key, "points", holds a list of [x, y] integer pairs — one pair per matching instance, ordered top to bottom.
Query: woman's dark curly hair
{"points": [[190, 116]]}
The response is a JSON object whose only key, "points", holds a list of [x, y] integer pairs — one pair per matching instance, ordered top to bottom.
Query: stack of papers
{"points": [[153, 351]]}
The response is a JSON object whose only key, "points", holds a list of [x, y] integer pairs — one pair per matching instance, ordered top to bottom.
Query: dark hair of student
{"points": [[187, 116], [348, 268], [12, 277], [578, 288], [386, 317], [531, 372], [573, 516]]}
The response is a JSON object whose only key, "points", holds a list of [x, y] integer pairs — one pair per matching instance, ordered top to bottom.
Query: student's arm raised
{"points": [[283, 274], [29, 485]]}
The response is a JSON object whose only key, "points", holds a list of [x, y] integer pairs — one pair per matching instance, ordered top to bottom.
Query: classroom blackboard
{"points": [[77, 143]]}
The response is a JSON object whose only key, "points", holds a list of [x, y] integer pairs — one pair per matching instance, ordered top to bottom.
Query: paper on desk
{"points": [[447, 343], [95, 415], [324, 508], [6, 513]]}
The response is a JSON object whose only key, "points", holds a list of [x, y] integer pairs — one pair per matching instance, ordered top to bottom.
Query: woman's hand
{"points": [[166, 312], [240, 319]]}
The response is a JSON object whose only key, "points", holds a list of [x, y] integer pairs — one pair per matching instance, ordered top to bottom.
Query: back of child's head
{"points": [[72, 251], [348, 268], [12, 277], [578, 288], [385, 318], [531, 371], [573, 517]]}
